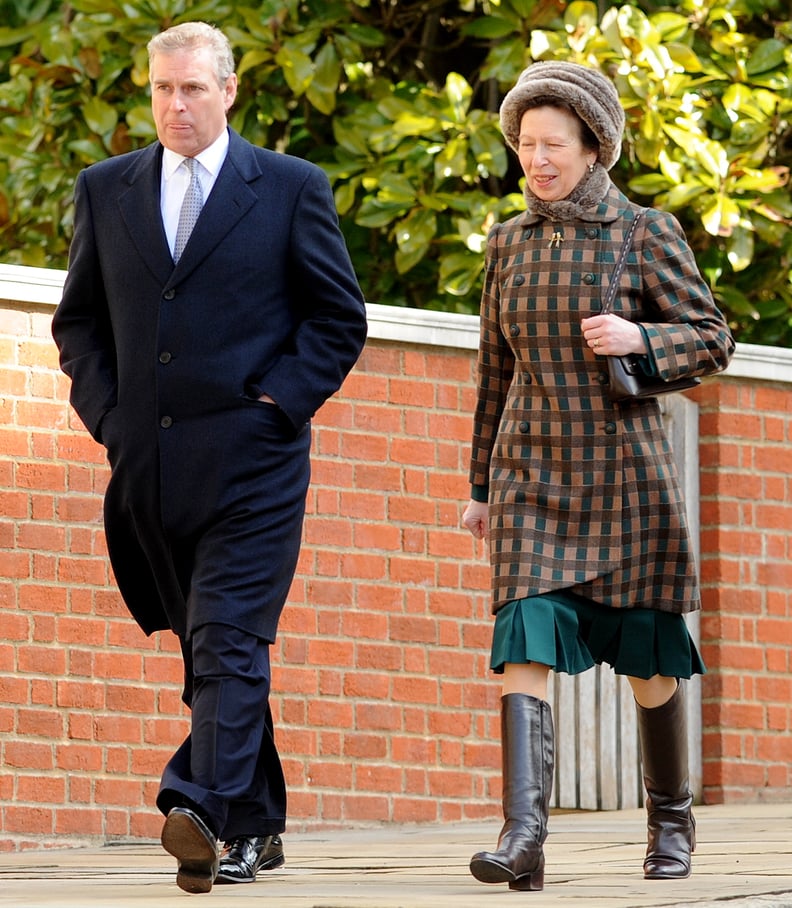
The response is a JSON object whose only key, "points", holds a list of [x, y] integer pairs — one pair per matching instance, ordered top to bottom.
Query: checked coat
{"points": [[583, 492]]}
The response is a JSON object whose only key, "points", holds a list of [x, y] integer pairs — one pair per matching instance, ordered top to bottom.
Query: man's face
{"points": [[189, 106]]}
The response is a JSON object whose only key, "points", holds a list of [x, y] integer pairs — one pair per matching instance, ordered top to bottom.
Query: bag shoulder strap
{"points": [[613, 284]]}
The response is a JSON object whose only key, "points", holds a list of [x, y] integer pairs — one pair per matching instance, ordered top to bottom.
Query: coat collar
{"points": [[230, 198], [610, 209]]}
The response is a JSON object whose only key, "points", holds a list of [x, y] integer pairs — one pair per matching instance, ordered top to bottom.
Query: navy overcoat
{"points": [[203, 512]]}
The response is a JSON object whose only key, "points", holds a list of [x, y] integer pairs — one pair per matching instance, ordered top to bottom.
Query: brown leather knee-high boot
{"points": [[528, 755], [671, 829]]}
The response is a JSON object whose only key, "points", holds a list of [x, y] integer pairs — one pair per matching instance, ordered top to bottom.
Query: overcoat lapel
{"points": [[230, 199], [139, 204]]}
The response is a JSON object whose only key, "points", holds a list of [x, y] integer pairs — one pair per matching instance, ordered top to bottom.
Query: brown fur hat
{"points": [[587, 91]]}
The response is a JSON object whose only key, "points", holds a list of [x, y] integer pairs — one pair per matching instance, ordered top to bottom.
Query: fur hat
{"points": [[587, 91]]}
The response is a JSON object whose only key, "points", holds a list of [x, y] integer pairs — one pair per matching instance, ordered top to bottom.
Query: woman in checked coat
{"points": [[590, 555]]}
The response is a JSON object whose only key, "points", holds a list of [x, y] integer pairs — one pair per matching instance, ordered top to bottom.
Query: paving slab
{"points": [[743, 860]]}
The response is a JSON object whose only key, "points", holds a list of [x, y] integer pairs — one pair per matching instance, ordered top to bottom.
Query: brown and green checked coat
{"points": [[583, 493]]}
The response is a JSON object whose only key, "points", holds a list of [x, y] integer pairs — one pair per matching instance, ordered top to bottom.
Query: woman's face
{"points": [[551, 152]]}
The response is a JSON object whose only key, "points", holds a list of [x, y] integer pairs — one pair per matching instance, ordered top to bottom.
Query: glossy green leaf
{"points": [[671, 26], [489, 27], [768, 55], [297, 68], [323, 89], [459, 93], [100, 116], [452, 161], [649, 184], [683, 194], [344, 195], [373, 213], [720, 216], [416, 232], [740, 248], [459, 272]]}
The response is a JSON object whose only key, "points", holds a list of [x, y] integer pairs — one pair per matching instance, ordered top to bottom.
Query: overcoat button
{"points": [[528, 233], [592, 233], [589, 278], [519, 280], [169, 294], [514, 330], [164, 357], [602, 378], [528, 379], [166, 422], [524, 427], [610, 428]]}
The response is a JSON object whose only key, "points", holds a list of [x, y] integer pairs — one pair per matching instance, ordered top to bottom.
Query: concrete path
{"points": [[743, 860]]}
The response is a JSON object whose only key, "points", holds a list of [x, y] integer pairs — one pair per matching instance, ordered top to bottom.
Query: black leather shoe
{"points": [[191, 842], [246, 855]]}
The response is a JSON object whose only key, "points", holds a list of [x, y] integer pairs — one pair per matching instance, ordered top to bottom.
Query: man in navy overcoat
{"points": [[200, 372]]}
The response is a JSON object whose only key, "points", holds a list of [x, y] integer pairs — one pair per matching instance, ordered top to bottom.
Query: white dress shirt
{"points": [[175, 179]]}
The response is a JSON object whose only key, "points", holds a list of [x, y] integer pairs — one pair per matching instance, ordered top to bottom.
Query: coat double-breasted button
{"points": [[589, 278], [519, 280], [514, 330], [165, 357], [166, 422], [524, 427], [610, 428]]}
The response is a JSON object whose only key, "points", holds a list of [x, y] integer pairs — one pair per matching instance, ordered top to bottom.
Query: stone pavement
{"points": [[743, 860]]}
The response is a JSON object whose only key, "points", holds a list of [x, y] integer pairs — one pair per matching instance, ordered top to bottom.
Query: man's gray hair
{"points": [[192, 35]]}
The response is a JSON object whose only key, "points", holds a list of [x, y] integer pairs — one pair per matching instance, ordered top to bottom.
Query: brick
{"points": [[385, 421], [413, 451], [85, 631], [41, 660], [117, 665], [13, 690], [415, 690], [80, 695], [125, 699], [39, 723], [28, 755], [377, 777], [40, 789], [115, 791], [415, 810], [28, 820], [77, 822]]}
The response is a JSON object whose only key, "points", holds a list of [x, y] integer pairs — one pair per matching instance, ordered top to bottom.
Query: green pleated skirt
{"points": [[571, 634]]}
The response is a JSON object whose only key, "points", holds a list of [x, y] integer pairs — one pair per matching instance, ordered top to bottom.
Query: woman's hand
{"points": [[612, 335], [476, 518]]}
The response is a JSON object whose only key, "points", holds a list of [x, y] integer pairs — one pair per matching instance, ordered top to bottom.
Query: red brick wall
{"points": [[746, 570], [384, 705]]}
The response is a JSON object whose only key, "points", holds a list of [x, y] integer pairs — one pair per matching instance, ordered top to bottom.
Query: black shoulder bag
{"points": [[627, 378]]}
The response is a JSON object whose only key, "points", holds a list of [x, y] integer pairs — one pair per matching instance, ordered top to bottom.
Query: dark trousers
{"points": [[228, 768]]}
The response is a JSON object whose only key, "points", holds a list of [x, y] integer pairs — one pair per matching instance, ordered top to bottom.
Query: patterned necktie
{"points": [[191, 208]]}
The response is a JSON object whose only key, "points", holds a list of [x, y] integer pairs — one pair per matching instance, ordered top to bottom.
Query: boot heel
{"points": [[530, 882]]}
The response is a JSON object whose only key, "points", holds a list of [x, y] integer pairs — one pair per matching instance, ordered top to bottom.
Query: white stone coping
{"points": [[21, 283]]}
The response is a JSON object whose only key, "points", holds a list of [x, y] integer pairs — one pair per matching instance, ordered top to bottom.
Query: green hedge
{"points": [[398, 103]]}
